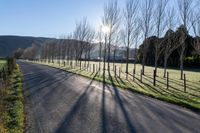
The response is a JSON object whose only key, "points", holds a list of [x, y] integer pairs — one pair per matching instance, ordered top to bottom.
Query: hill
{"points": [[8, 44]]}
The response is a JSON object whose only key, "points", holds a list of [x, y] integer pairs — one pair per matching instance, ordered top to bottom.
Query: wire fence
{"points": [[150, 81], [190, 84]]}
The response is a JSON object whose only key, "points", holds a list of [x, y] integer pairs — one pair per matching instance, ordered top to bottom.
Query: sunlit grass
{"points": [[2, 63]]}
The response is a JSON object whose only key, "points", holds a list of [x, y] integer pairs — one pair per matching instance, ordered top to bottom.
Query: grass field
{"points": [[2, 64], [174, 94]]}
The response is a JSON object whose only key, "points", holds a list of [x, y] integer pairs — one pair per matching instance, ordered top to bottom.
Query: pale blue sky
{"points": [[48, 18]]}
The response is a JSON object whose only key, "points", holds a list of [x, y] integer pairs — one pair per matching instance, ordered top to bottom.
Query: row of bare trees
{"points": [[151, 18], [129, 27], [68, 49], [28, 53]]}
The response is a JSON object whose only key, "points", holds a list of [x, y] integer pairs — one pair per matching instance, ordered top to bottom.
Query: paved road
{"points": [[59, 102]]}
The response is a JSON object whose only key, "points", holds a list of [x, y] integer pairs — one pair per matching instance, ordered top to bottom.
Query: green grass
{"points": [[2, 64], [175, 93], [2, 109], [13, 115]]}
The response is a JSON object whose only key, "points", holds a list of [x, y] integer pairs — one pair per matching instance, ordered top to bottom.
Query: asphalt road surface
{"points": [[61, 102]]}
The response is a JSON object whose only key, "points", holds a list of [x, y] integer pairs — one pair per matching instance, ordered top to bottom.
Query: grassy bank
{"points": [[2, 64], [174, 94], [13, 104]]}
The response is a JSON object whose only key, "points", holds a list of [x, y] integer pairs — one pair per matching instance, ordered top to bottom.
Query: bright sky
{"points": [[48, 18]]}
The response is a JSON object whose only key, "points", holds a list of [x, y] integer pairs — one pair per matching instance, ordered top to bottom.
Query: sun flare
{"points": [[105, 29]]}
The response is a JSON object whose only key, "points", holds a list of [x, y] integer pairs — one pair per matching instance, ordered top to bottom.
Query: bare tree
{"points": [[185, 10], [130, 16], [159, 18], [111, 19], [195, 22], [146, 25], [81, 33], [77, 34], [173, 40], [136, 41], [89, 42], [196, 44], [52, 46], [100, 47], [115, 47], [169, 47], [63, 49], [59, 50], [69, 50], [30, 52], [18, 53], [43, 53], [104, 55]]}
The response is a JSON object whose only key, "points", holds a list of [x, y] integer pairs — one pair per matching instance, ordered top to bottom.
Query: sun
{"points": [[105, 29]]}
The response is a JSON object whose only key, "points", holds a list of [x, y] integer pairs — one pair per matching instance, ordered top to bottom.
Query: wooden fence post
{"points": [[93, 68], [115, 70], [119, 72], [0, 74], [133, 74], [141, 75], [154, 77], [167, 80], [184, 83]]}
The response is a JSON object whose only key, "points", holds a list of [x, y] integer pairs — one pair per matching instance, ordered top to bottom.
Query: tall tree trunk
{"points": [[114, 55], [88, 57], [100, 57], [108, 57], [85, 59], [104, 59], [127, 59], [181, 60], [143, 63], [156, 64], [165, 65]]}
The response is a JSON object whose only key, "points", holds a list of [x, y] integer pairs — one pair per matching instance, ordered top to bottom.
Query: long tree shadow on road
{"points": [[45, 82], [120, 102], [103, 109], [64, 126]]}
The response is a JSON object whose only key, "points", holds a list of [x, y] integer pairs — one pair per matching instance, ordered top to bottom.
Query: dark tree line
{"points": [[171, 45]]}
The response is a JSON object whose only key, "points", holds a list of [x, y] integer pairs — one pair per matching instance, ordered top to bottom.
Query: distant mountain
{"points": [[8, 44]]}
